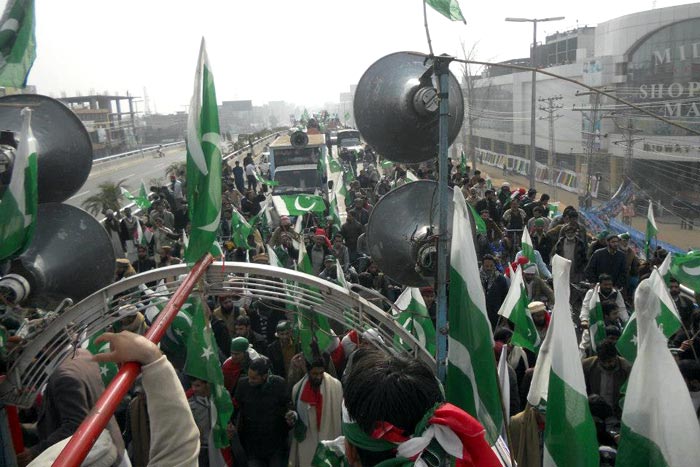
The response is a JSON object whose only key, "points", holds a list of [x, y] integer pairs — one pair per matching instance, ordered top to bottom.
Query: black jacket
{"points": [[602, 262], [494, 298], [260, 411]]}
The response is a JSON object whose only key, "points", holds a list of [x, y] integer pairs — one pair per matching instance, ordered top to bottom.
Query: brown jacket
{"points": [[592, 374], [70, 394], [525, 438]]}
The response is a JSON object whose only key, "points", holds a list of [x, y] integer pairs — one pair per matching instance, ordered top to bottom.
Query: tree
{"points": [[475, 100], [109, 196]]}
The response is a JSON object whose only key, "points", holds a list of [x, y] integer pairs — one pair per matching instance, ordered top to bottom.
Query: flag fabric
{"points": [[448, 8], [17, 43], [203, 162], [463, 164], [262, 181], [141, 200], [20, 202], [296, 205], [552, 209], [335, 216], [478, 221], [240, 229], [652, 230], [141, 238], [527, 247], [665, 268], [686, 269], [341, 275], [514, 308], [413, 316], [667, 318], [596, 320], [311, 326], [203, 363], [108, 370], [472, 382], [504, 383], [659, 423], [569, 434], [330, 454]]}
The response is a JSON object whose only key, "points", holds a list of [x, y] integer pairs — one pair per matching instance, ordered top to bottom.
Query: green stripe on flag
{"points": [[448, 8], [17, 43], [203, 162], [20, 201], [478, 221], [651, 229], [527, 247], [686, 268], [515, 309], [415, 319], [596, 320], [472, 382], [570, 436], [638, 450]]}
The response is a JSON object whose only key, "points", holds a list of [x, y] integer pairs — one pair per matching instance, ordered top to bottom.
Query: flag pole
{"points": [[79, 446]]}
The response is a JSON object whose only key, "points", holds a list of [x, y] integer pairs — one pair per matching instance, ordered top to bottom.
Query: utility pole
{"points": [[533, 97], [550, 109], [590, 114], [629, 131]]}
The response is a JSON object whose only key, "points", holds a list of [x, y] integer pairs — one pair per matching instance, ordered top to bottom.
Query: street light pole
{"points": [[533, 97]]}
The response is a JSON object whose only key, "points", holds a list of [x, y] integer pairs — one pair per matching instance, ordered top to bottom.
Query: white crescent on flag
{"points": [[297, 205]]}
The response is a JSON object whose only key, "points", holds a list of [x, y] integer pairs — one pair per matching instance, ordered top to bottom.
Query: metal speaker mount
{"points": [[396, 107], [64, 149], [401, 233], [71, 255]]}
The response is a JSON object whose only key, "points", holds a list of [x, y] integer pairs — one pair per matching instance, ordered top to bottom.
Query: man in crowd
{"points": [[351, 231], [572, 247], [608, 261], [143, 262], [495, 288], [537, 289], [282, 349], [605, 374], [317, 400], [263, 416]]}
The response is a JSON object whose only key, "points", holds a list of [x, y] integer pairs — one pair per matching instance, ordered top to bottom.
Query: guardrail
{"points": [[136, 151], [136, 210]]}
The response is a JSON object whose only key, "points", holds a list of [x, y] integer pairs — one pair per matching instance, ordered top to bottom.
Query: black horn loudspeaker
{"points": [[396, 107], [299, 139], [64, 150], [401, 233], [71, 256]]}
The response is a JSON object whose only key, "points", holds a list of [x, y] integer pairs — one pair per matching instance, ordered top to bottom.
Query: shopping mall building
{"points": [[650, 58]]}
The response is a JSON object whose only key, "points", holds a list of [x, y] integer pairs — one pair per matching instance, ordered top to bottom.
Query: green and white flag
{"points": [[448, 8], [17, 43], [203, 162], [463, 164], [410, 176], [262, 181], [141, 200], [19, 203], [297, 205], [335, 216], [478, 221], [240, 229], [652, 230], [142, 237], [527, 247], [665, 268], [686, 269], [341, 275], [514, 308], [413, 317], [667, 318], [596, 320], [312, 326], [203, 363], [108, 370], [472, 383], [659, 423], [569, 434]]}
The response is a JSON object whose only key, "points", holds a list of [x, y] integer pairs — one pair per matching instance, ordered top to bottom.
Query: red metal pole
{"points": [[80, 444]]}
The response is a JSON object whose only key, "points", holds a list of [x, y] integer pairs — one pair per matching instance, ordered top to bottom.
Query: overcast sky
{"points": [[301, 51]]}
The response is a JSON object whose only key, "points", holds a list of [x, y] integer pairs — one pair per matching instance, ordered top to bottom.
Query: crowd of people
{"points": [[288, 399]]}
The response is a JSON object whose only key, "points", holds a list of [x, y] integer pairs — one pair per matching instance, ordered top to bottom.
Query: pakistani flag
{"points": [[448, 8], [17, 43], [203, 162], [463, 164], [262, 181], [141, 200], [19, 203], [296, 205], [335, 214], [478, 221], [240, 229], [651, 229], [526, 246], [665, 268], [685, 268], [514, 308], [413, 317], [667, 318], [596, 321], [312, 326], [203, 363], [108, 370], [472, 383], [659, 424], [569, 433]]}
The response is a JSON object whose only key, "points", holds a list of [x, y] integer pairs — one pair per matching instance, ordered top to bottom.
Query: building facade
{"points": [[651, 59]]}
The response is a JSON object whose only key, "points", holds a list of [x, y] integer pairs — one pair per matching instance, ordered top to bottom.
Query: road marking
{"points": [[79, 194]]}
